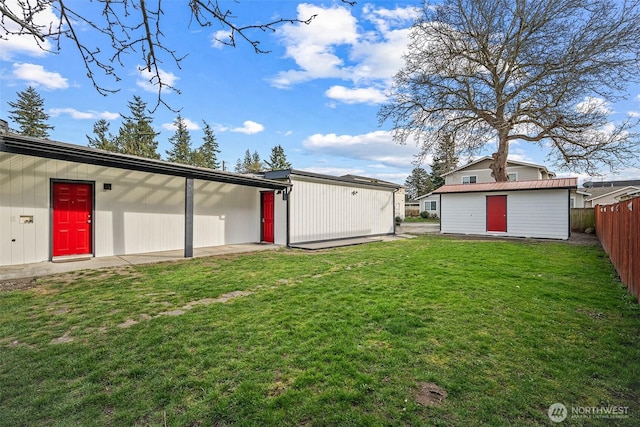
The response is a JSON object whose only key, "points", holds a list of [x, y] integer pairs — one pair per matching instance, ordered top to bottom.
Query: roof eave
{"points": [[18, 144]]}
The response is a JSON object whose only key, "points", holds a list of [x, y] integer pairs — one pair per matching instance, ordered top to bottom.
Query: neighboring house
{"points": [[478, 171], [603, 193], [608, 195], [61, 201], [430, 203], [324, 207], [535, 209]]}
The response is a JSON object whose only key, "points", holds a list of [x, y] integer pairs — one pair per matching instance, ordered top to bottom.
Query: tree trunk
{"points": [[499, 165]]}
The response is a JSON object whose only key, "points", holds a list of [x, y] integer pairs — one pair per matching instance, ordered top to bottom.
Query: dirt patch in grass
{"points": [[18, 284], [180, 311], [63, 339], [429, 394]]}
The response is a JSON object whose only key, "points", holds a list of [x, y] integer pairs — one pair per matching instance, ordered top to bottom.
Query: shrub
{"points": [[424, 214]]}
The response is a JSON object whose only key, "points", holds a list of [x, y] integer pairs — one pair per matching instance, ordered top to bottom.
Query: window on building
{"points": [[513, 176], [469, 179], [430, 205]]}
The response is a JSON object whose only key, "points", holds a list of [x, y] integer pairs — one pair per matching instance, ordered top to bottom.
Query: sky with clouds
{"points": [[317, 92]]}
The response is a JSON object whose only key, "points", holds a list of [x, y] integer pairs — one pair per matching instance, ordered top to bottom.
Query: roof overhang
{"points": [[18, 144], [343, 180], [541, 184], [614, 192]]}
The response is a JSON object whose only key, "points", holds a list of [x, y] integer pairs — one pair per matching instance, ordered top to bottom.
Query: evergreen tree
{"points": [[28, 112], [136, 135], [103, 139], [180, 141], [207, 155], [277, 160], [444, 161], [250, 164], [256, 164], [239, 168], [418, 183]]}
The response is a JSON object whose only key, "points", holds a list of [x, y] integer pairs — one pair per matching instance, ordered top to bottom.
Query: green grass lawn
{"points": [[420, 219], [348, 336]]}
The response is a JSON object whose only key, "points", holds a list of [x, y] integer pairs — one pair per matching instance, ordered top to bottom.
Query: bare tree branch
{"points": [[128, 27], [507, 70]]}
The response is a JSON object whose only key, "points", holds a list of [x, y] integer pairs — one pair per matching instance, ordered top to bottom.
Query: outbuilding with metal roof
{"points": [[534, 209]]}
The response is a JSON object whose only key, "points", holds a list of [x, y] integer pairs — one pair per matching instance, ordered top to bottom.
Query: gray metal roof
{"points": [[19, 144], [347, 179], [540, 184]]}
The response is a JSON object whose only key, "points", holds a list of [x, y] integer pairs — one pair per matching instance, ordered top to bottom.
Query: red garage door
{"points": [[72, 208], [497, 213]]}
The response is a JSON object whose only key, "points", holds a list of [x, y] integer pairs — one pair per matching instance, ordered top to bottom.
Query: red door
{"points": [[72, 207], [497, 213], [267, 216]]}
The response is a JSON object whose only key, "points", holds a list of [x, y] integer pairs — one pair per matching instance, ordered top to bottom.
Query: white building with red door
{"points": [[60, 201], [324, 207], [534, 209]]}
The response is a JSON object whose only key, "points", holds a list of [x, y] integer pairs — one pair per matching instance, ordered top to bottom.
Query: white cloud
{"points": [[219, 37], [25, 44], [336, 45], [313, 47], [36, 75], [146, 80], [355, 96], [593, 104], [83, 115], [190, 124], [249, 127], [377, 146]]}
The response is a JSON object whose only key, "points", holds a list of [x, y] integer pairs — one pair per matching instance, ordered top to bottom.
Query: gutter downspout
{"points": [[288, 193], [394, 210], [569, 212]]}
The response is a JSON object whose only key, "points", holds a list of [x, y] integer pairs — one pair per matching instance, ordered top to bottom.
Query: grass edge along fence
{"points": [[618, 229]]}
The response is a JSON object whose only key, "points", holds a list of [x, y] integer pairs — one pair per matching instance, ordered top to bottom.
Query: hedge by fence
{"points": [[618, 228]]}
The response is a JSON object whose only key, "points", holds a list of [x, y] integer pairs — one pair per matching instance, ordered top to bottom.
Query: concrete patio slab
{"points": [[47, 268]]}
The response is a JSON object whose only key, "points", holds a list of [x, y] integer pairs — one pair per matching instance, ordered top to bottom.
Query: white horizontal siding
{"points": [[324, 211], [143, 212], [463, 213], [532, 213], [225, 214], [541, 214], [280, 224]]}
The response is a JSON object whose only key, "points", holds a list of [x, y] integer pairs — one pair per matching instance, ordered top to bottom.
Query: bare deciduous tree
{"points": [[121, 27], [541, 71]]}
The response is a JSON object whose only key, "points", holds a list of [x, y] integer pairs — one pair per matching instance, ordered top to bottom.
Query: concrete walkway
{"points": [[418, 228], [46, 268], [25, 271]]}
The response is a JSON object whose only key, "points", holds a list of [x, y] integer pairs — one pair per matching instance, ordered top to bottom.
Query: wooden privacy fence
{"points": [[582, 218], [618, 228]]}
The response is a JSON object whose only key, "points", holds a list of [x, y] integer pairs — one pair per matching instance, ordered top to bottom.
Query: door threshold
{"points": [[72, 258]]}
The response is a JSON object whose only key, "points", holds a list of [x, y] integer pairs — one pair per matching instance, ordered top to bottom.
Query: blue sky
{"points": [[316, 94]]}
